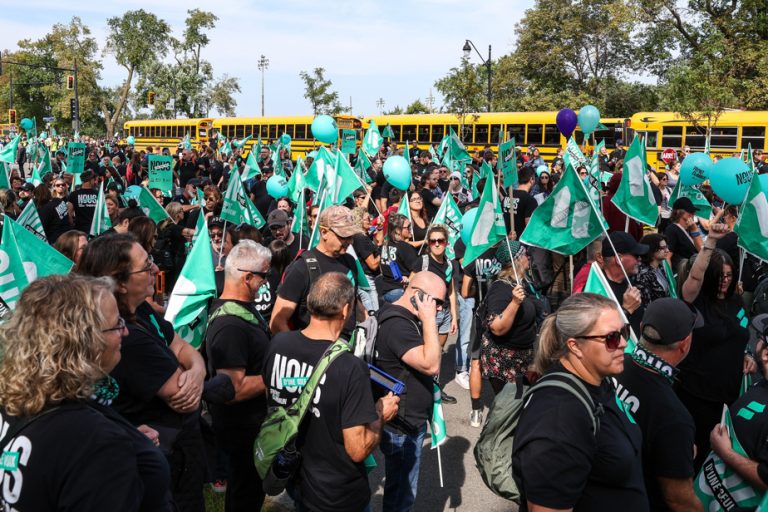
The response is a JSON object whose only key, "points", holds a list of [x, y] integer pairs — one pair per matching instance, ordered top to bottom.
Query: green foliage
{"points": [[317, 89], [463, 90], [417, 107]]}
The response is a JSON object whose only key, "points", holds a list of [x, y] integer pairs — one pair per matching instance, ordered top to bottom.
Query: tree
{"points": [[137, 40], [317, 89], [463, 91], [417, 107]]}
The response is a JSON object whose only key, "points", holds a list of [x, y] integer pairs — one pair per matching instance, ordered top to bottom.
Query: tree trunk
{"points": [[112, 121]]}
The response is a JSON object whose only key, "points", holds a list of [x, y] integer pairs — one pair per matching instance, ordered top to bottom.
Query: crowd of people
{"points": [[105, 407]]}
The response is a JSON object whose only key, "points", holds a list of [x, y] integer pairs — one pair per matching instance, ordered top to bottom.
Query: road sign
{"points": [[669, 155]]}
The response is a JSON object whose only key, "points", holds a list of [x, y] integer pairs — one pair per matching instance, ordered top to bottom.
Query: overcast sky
{"points": [[370, 49]]}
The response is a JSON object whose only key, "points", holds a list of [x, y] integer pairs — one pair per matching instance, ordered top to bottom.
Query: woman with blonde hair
{"points": [[584, 435], [68, 449]]}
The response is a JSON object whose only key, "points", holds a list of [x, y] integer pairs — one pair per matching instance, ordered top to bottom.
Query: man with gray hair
{"points": [[236, 343]]}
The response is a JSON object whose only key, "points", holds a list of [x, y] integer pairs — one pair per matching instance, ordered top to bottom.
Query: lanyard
{"points": [[647, 359]]}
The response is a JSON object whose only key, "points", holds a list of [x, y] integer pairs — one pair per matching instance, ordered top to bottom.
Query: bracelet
{"points": [[695, 234]]}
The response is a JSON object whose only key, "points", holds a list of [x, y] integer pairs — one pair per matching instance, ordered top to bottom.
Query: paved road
{"points": [[463, 488]]}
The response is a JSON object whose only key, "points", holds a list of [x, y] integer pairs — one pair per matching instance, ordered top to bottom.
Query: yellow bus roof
{"points": [[730, 117], [472, 118], [220, 121], [167, 122]]}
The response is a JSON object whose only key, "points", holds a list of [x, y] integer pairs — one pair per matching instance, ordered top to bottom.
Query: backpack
{"points": [[760, 298], [366, 332], [276, 441], [493, 451]]}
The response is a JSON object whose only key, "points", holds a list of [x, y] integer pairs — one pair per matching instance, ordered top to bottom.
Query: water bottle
{"points": [[283, 468]]}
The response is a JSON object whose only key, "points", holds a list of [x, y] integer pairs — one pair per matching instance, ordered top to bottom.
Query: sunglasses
{"points": [[60, 185], [215, 234], [437, 241], [262, 275], [438, 302], [612, 340]]}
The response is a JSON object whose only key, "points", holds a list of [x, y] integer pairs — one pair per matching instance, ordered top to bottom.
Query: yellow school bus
{"points": [[270, 128], [482, 130], [167, 133], [730, 133]]}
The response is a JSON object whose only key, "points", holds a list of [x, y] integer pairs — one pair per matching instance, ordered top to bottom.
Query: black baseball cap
{"points": [[684, 203], [277, 217], [624, 243], [672, 319], [760, 324]]}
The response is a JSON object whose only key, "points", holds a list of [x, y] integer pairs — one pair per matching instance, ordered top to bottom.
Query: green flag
{"points": [[388, 132], [372, 140], [187, 143], [239, 144], [226, 149], [8, 153], [407, 153], [574, 155], [75, 157], [45, 161], [323, 163], [507, 163], [362, 165], [251, 169], [594, 169], [486, 171], [35, 179], [5, 180], [344, 180], [297, 184], [694, 194], [635, 196], [324, 202], [151, 207], [238, 208], [405, 208], [449, 215], [30, 219], [567, 220], [100, 222], [299, 223], [752, 224], [200, 226], [488, 228], [26, 258], [670, 279], [597, 283], [188, 305], [437, 430], [720, 487]]}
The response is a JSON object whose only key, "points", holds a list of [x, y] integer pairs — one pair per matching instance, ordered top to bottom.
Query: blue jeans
{"points": [[393, 295], [369, 298], [466, 317], [402, 459]]}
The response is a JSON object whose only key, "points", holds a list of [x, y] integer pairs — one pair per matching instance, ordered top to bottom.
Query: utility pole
{"points": [[263, 64], [430, 101], [380, 103], [76, 120]]}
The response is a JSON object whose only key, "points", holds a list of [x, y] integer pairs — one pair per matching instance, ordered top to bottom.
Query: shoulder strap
{"points": [[424, 262], [313, 266], [231, 308], [572, 384], [300, 406]]}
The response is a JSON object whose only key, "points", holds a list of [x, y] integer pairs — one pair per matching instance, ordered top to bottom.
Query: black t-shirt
{"points": [[187, 170], [429, 195], [261, 200], [84, 202], [523, 205], [55, 220], [419, 233], [680, 244], [297, 245], [365, 247], [404, 256], [442, 270], [482, 270], [296, 283], [267, 294], [523, 331], [397, 336], [234, 343], [146, 363], [713, 368], [751, 425], [667, 427], [78, 458], [559, 463], [328, 479]]}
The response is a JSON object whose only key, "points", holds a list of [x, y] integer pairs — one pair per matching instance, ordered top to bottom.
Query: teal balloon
{"points": [[589, 118], [27, 124], [324, 129], [43, 135], [285, 139], [130, 140], [542, 168], [695, 169], [397, 172], [730, 180], [764, 181], [277, 187], [132, 192], [467, 222]]}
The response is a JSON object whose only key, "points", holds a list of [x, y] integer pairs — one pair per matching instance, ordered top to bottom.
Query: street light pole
{"points": [[467, 49], [263, 64], [77, 103]]}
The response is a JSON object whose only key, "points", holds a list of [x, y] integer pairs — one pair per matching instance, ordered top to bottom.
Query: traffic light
{"points": [[70, 82], [150, 98], [73, 109], [12, 116]]}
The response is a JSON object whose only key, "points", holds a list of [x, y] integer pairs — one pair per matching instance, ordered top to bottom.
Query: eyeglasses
{"points": [[544, 178], [455, 179], [210, 198], [416, 199], [215, 234], [437, 241], [145, 268], [262, 275], [119, 327], [612, 340]]}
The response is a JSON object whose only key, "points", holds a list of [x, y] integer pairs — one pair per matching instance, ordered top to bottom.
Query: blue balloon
{"points": [[589, 118], [566, 121], [324, 129], [285, 139], [130, 140], [542, 168], [695, 169], [397, 171], [730, 178], [277, 187], [132, 192], [467, 222]]}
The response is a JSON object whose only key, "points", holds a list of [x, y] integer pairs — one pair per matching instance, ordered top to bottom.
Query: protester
{"points": [[82, 202], [52, 212], [419, 221], [278, 222], [683, 234], [71, 244], [369, 255], [620, 259], [399, 260], [651, 279], [236, 343], [160, 376], [645, 386], [344, 423], [76, 452], [576, 468]]}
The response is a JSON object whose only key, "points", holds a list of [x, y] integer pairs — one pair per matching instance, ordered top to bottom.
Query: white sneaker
{"points": [[462, 379], [476, 418]]}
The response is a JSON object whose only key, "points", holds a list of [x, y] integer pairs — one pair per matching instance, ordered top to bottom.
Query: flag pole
{"points": [[303, 205], [626, 224], [506, 238], [223, 239], [742, 256], [570, 261], [440, 466]]}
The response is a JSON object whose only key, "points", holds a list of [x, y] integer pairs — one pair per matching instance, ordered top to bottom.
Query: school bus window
{"points": [[453, 127], [289, 130], [397, 130], [239, 131], [273, 131], [438, 131], [495, 131], [193, 132], [202, 132], [264, 132], [300, 132], [517, 132], [409, 133], [535, 133], [423, 134], [481, 134], [551, 135], [608, 135], [754, 135], [671, 136], [578, 137], [695, 137], [724, 137], [651, 139]]}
